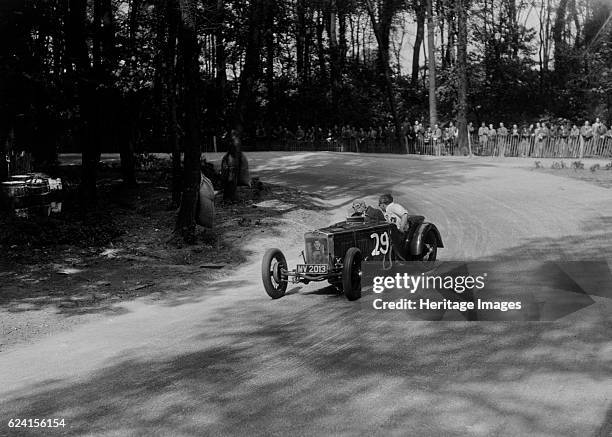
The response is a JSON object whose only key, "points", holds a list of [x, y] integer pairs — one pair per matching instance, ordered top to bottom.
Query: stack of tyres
{"points": [[12, 192], [31, 194], [205, 213]]}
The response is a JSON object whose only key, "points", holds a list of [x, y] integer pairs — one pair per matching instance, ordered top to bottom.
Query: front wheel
{"points": [[272, 265], [351, 274]]}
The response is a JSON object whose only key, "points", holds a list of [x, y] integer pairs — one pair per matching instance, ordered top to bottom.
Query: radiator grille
{"points": [[317, 250]]}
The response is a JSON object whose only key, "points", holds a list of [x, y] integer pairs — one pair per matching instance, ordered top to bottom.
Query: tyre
{"points": [[430, 247], [351, 274], [274, 281]]}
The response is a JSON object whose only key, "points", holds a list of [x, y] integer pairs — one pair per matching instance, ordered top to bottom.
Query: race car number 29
{"points": [[381, 244]]}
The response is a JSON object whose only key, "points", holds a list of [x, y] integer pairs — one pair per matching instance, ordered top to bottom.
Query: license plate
{"points": [[312, 268]]}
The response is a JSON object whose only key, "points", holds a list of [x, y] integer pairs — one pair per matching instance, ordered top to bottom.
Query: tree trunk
{"points": [[387, 11], [440, 15], [576, 19], [351, 26], [513, 28], [547, 37], [269, 40], [300, 40], [357, 40], [418, 41], [364, 44], [343, 46], [450, 46], [320, 47], [561, 47], [307, 48], [541, 50], [334, 51], [78, 53], [220, 59], [384, 59], [251, 69], [462, 73], [248, 79], [100, 91], [130, 105], [433, 110], [160, 118], [129, 122], [172, 140], [185, 223]]}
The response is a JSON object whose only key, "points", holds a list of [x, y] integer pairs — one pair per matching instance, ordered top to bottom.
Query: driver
{"points": [[361, 209], [394, 212]]}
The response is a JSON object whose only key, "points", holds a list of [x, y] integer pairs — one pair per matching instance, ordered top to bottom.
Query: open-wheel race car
{"points": [[335, 253]]}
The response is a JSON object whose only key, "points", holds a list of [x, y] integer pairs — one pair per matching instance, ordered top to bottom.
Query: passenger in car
{"points": [[394, 212]]}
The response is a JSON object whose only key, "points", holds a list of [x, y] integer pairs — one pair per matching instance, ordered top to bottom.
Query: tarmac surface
{"points": [[231, 361]]}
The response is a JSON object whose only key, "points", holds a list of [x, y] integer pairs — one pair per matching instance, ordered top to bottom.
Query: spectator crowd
{"points": [[542, 139]]}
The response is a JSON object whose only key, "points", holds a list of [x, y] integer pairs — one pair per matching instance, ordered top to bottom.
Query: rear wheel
{"points": [[429, 251], [272, 265], [351, 274]]}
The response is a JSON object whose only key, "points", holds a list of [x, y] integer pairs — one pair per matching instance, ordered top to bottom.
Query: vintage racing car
{"points": [[335, 253]]}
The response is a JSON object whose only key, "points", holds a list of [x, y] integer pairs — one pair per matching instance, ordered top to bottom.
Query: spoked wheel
{"points": [[351, 274], [273, 279]]}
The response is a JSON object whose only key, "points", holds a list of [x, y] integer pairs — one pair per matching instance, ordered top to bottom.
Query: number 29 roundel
{"points": [[381, 243]]}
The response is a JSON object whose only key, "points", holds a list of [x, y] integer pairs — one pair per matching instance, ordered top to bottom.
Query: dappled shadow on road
{"points": [[357, 176], [593, 243], [264, 368], [605, 429]]}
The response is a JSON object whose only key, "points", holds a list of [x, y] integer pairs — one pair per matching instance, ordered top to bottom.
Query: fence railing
{"points": [[501, 146], [546, 147]]}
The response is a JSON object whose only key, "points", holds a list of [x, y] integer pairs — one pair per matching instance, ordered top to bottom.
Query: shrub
{"points": [[578, 165]]}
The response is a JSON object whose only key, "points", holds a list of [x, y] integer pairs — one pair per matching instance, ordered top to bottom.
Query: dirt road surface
{"points": [[230, 361]]}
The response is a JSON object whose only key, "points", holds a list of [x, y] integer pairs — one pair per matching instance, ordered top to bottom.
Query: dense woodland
{"points": [[92, 76]]}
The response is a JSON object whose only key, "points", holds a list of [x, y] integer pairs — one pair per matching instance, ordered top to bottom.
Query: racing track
{"points": [[232, 361]]}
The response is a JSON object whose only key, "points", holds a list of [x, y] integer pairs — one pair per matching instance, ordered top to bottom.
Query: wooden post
{"points": [[469, 143]]}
